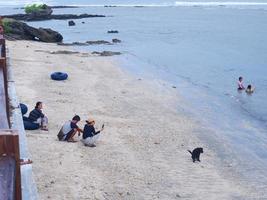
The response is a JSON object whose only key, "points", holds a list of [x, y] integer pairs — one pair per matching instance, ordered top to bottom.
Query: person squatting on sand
{"points": [[240, 83], [37, 116], [69, 129], [90, 136]]}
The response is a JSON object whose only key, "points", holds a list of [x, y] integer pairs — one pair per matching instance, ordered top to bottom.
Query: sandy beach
{"points": [[141, 154]]}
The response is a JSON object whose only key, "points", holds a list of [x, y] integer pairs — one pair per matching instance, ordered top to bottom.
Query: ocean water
{"points": [[202, 50]]}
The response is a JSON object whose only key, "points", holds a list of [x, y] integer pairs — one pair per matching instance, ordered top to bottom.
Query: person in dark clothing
{"points": [[37, 116], [69, 129], [90, 136]]}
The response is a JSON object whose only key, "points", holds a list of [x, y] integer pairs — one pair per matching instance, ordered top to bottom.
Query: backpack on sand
{"points": [[60, 135]]}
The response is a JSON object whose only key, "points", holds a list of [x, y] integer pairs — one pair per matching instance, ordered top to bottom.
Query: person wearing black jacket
{"points": [[37, 116], [90, 135]]}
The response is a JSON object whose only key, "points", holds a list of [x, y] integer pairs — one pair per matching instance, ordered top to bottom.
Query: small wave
{"points": [[23, 2], [182, 3], [121, 5]]}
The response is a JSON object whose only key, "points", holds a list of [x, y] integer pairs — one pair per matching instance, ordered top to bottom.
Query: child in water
{"points": [[240, 83], [249, 89]]}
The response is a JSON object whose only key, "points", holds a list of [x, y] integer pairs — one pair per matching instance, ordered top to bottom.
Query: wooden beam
{"points": [[4, 110]]}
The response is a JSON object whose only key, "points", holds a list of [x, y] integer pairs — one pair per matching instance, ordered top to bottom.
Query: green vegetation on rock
{"points": [[34, 8], [6, 25]]}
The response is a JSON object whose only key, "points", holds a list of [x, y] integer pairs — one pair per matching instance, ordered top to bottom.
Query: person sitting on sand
{"points": [[240, 83], [249, 89], [37, 116], [69, 129], [90, 136]]}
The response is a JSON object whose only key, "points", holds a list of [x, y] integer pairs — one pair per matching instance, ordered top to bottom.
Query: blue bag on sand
{"points": [[23, 108]]}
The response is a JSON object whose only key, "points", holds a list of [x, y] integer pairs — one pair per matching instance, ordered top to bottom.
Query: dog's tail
{"points": [[189, 151]]}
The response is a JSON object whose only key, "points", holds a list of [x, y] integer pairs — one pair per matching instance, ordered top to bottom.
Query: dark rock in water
{"points": [[109, 6], [58, 7], [44, 12], [29, 17], [83, 22], [71, 23], [21, 31], [112, 31], [116, 40], [98, 42], [106, 53]]}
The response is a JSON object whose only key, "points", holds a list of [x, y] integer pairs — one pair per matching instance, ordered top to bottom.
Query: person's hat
{"points": [[90, 120]]}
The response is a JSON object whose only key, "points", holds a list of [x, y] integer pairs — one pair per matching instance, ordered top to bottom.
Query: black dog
{"points": [[196, 153]]}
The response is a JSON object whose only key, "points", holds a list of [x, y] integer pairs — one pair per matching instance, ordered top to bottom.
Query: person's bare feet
{"points": [[72, 140]]}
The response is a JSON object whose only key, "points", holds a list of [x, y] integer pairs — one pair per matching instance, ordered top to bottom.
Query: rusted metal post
{"points": [[3, 47], [9, 147]]}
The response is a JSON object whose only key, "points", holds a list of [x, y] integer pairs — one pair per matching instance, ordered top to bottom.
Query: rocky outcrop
{"points": [[42, 13], [30, 17], [21, 31]]}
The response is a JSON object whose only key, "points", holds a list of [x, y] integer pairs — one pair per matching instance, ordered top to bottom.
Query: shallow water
{"points": [[202, 51]]}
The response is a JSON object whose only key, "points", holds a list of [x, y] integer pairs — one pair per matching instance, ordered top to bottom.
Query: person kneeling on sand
{"points": [[37, 116], [69, 129], [90, 136]]}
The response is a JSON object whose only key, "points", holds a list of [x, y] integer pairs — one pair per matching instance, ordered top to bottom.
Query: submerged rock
{"points": [[71, 23], [21, 31], [113, 31], [116, 40], [92, 42], [98, 42], [73, 44], [106, 53]]}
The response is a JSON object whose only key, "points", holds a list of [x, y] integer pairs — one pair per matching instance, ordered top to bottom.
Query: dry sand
{"points": [[142, 152]]}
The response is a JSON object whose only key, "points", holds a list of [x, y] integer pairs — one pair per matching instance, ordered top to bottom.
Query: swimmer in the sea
{"points": [[240, 83], [249, 89]]}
